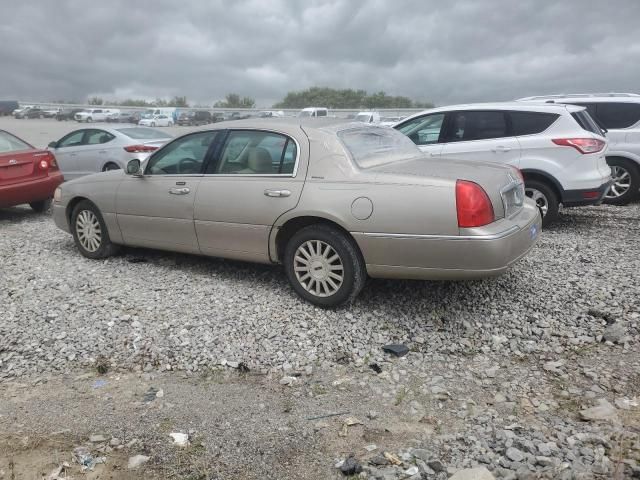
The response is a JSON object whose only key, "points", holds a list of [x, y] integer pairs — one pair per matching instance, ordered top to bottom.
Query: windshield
{"points": [[363, 117], [143, 133], [9, 143], [373, 146]]}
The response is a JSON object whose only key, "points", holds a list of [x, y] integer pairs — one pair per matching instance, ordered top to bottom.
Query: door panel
{"points": [[234, 212]]}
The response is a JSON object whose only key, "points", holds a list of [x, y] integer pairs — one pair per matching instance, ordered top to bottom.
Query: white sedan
{"points": [[157, 121]]}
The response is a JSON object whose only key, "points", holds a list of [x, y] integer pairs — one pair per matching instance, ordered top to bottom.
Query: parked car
{"points": [[7, 107], [21, 109], [30, 112], [50, 112], [314, 112], [67, 113], [271, 114], [92, 115], [619, 115], [235, 116], [124, 117], [217, 117], [368, 117], [195, 118], [157, 121], [390, 121], [559, 148], [91, 150], [27, 174], [336, 203]]}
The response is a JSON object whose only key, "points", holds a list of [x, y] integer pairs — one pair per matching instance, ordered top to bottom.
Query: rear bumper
{"points": [[30, 191], [592, 196], [433, 257]]}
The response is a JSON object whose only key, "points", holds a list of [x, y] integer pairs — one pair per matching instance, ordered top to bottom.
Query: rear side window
{"points": [[618, 115], [586, 122], [530, 123], [476, 125], [9, 143]]}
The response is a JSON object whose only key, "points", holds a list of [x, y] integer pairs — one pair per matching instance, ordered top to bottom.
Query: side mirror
{"points": [[53, 144], [133, 168]]}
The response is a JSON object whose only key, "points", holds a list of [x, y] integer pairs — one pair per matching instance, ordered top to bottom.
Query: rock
{"points": [[615, 333], [396, 349], [553, 366], [290, 381], [626, 403], [602, 411], [97, 438], [180, 439], [114, 442], [370, 448], [421, 453], [514, 454], [379, 460], [137, 461], [436, 465], [350, 466], [412, 471], [478, 473]]}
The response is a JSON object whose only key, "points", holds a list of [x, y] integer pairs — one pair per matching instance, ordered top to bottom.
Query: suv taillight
{"points": [[583, 145], [140, 148], [472, 205]]}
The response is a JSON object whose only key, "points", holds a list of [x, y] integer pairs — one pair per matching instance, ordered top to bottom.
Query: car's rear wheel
{"points": [[89, 119], [110, 166], [626, 181], [545, 198], [41, 206], [90, 232], [324, 266]]}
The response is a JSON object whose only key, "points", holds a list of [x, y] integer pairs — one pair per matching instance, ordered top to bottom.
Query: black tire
{"points": [[89, 119], [111, 166], [620, 167], [549, 199], [41, 206], [105, 247], [354, 273]]}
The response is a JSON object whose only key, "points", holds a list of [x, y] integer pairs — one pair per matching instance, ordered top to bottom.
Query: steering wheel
{"points": [[188, 165]]}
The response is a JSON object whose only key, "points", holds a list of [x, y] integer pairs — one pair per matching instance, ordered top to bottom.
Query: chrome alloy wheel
{"points": [[621, 182], [538, 197], [88, 230], [318, 268]]}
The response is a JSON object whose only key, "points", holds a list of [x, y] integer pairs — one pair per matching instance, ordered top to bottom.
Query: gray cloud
{"points": [[446, 52]]}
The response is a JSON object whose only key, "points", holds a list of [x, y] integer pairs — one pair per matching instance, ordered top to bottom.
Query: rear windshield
{"points": [[586, 122], [138, 133], [9, 143], [373, 146]]}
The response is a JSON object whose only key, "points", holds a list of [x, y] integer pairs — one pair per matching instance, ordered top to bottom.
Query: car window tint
{"points": [[618, 115], [586, 122], [530, 123], [476, 125], [423, 130], [97, 137], [72, 140], [9, 143], [254, 152], [182, 156]]}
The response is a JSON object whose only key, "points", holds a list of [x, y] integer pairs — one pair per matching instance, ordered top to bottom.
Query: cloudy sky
{"points": [[442, 51]]}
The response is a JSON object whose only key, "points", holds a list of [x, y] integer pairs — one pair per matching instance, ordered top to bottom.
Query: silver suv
{"points": [[619, 115]]}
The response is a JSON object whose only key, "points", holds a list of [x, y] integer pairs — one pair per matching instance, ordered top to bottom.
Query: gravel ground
{"points": [[501, 372]]}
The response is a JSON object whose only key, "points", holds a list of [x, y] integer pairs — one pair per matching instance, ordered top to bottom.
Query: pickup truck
{"points": [[95, 115]]}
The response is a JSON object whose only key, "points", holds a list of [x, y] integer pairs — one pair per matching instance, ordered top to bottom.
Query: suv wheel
{"points": [[89, 119], [626, 181], [545, 198], [90, 232], [324, 266]]}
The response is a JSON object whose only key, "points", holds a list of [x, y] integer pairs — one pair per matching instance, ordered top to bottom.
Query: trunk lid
{"points": [[16, 167]]}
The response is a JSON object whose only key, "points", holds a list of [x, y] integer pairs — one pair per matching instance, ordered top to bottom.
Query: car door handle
{"points": [[500, 149], [179, 191], [277, 193]]}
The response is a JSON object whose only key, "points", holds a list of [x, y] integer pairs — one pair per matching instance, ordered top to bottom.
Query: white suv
{"points": [[619, 114], [92, 115], [558, 148]]}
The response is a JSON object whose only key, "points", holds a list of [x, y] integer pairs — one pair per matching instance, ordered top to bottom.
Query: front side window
{"points": [[618, 115], [476, 125], [423, 130], [72, 140], [9, 143], [254, 152], [183, 156]]}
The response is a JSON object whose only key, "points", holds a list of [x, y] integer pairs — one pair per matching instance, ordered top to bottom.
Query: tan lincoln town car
{"points": [[333, 202]]}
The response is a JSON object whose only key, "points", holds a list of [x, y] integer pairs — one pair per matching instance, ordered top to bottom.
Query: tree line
{"points": [[314, 96]]}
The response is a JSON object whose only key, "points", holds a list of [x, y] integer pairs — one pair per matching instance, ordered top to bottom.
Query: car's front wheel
{"points": [[89, 119], [110, 166], [626, 181], [545, 198], [90, 232], [324, 266]]}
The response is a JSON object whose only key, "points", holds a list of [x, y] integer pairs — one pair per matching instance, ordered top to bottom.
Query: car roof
{"points": [[585, 97]]}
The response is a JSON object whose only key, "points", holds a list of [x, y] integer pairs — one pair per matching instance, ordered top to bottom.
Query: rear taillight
{"points": [[583, 145], [140, 148], [47, 162], [472, 205]]}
